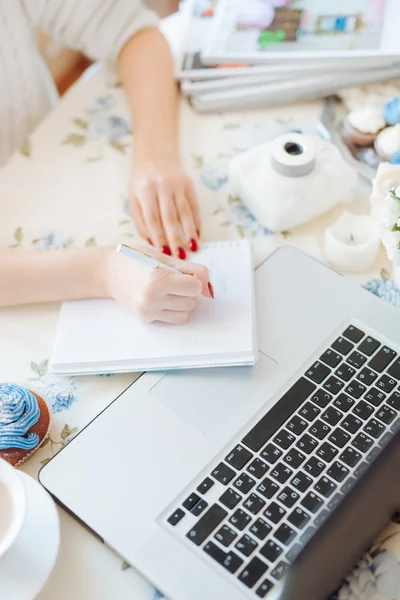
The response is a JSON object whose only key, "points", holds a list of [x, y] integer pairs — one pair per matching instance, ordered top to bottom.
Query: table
{"points": [[68, 186]]}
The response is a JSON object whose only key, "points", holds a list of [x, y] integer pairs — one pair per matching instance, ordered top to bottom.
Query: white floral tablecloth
{"points": [[68, 187]]}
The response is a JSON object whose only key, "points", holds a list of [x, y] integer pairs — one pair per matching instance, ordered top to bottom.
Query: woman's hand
{"points": [[164, 206], [156, 294]]}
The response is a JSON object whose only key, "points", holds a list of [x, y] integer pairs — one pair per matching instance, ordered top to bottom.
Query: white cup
{"points": [[12, 506]]}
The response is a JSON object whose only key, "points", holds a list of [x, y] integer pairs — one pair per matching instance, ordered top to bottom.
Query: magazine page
{"points": [[293, 29]]}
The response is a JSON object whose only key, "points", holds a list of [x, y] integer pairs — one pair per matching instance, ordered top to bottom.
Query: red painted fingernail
{"points": [[149, 241], [192, 245], [166, 250], [181, 253], [211, 290]]}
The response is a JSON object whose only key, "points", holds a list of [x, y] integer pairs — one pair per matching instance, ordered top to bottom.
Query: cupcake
{"points": [[391, 111], [363, 125], [388, 142], [24, 423]]}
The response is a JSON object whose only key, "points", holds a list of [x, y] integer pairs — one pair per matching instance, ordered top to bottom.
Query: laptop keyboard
{"points": [[260, 505]]}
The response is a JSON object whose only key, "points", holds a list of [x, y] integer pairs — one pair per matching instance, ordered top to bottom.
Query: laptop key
{"points": [[353, 334], [342, 346], [368, 346], [331, 358], [356, 359], [382, 359], [394, 370], [318, 372], [345, 372], [367, 376], [386, 384], [333, 385], [355, 389], [375, 397], [321, 398], [394, 400], [343, 402], [363, 410], [309, 411], [279, 413], [386, 414], [331, 416], [351, 423], [297, 425], [395, 426], [374, 428], [319, 429], [339, 437], [284, 439], [385, 439], [362, 442], [307, 444], [327, 452], [271, 454], [373, 454], [239, 457], [350, 457], [294, 458], [314, 466], [257, 468], [360, 469], [337, 471], [223, 473], [281, 473], [301, 481], [244, 483], [348, 484], [205, 485], [325, 487], [267, 488], [288, 497], [230, 498], [190, 501], [334, 501], [312, 502], [254, 504], [199, 507], [274, 512], [176, 517], [299, 518], [321, 518], [240, 519], [206, 524], [260, 529], [285, 534], [225, 535], [307, 535], [246, 545], [271, 551], [293, 553], [230, 561], [279, 571], [252, 572], [264, 588]]}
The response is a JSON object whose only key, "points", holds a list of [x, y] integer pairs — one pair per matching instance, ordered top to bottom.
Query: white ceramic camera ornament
{"points": [[291, 180]]}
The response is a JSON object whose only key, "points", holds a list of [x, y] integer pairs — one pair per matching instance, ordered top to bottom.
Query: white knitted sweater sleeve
{"points": [[98, 28]]}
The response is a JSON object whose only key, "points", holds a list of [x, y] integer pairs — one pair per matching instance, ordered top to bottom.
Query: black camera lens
{"points": [[293, 149]]}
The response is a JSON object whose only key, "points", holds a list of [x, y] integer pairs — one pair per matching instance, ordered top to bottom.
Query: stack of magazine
{"points": [[240, 54]]}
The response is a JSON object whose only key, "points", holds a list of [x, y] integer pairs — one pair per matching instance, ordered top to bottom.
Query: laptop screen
{"points": [[349, 531]]}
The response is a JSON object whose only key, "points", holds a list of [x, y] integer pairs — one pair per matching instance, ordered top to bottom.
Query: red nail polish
{"points": [[149, 241], [192, 245], [166, 250], [181, 253], [211, 290]]}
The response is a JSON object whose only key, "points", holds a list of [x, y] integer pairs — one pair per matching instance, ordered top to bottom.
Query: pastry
{"points": [[391, 111], [363, 125], [388, 142], [24, 423]]}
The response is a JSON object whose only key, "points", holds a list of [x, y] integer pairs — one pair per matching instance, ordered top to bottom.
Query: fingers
{"points": [[147, 196], [191, 196], [137, 216], [187, 219], [170, 221], [178, 303], [172, 316]]}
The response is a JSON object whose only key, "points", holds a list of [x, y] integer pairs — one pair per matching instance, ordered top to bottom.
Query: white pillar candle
{"points": [[352, 242]]}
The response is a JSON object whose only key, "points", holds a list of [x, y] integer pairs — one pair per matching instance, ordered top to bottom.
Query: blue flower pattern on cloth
{"points": [[102, 103], [391, 111], [111, 127], [214, 175], [242, 216], [51, 241], [386, 289], [60, 392], [19, 411], [378, 574]]}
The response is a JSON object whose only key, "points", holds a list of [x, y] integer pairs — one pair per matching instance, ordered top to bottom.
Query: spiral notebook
{"points": [[98, 336]]}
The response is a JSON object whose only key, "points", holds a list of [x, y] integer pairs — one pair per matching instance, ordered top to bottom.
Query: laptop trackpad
{"points": [[203, 397]]}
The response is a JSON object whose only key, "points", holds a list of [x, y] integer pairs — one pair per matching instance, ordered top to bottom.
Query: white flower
{"points": [[387, 177]]}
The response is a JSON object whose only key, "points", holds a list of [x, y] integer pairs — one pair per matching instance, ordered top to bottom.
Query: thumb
{"points": [[185, 267]]}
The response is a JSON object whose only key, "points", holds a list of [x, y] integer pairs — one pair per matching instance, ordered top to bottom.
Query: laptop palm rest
{"points": [[188, 394]]}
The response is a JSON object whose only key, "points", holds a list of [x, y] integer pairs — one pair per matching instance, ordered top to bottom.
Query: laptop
{"points": [[253, 482]]}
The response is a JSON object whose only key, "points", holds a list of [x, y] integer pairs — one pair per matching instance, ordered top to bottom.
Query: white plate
{"points": [[26, 567]]}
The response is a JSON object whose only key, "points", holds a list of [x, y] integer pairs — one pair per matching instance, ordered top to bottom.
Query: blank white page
{"points": [[99, 335]]}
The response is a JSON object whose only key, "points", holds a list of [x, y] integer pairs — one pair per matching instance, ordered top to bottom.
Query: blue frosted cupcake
{"points": [[24, 423]]}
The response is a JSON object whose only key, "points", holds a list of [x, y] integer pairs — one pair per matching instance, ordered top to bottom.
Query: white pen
{"points": [[144, 258]]}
